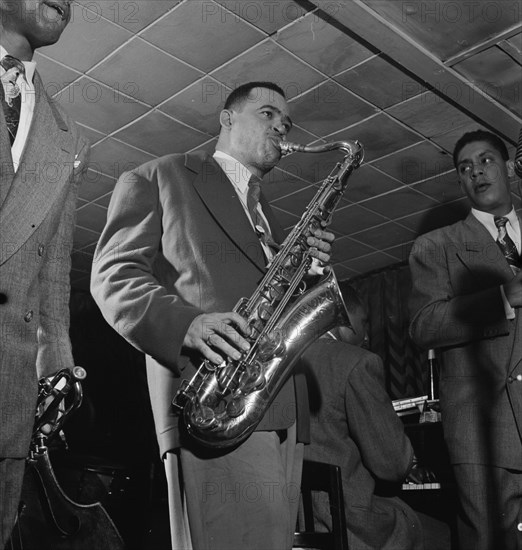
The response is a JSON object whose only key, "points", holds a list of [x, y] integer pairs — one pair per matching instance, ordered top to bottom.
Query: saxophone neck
{"points": [[351, 148]]}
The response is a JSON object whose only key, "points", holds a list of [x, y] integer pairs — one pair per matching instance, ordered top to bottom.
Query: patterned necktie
{"points": [[12, 100], [261, 227], [507, 245]]}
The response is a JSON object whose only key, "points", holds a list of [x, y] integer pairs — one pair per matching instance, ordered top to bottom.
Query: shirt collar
{"points": [[30, 66], [237, 173], [488, 219]]}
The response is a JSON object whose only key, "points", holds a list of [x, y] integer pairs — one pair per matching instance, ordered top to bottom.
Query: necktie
{"points": [[11, 97], [261, 227], [507, 245]]}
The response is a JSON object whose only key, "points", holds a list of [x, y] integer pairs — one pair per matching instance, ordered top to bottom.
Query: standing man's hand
{"points": [[218, 335]]}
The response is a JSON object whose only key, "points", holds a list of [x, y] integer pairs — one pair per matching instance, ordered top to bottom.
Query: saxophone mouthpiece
{"points": [[288, 147]]}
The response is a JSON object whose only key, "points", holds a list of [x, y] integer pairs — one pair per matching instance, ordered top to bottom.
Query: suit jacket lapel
{"points": [[45, 168], [224, 205], [481, 247]]}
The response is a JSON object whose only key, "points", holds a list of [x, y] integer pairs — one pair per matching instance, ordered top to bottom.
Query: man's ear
{"points": [[225, 118], [510, 166]]}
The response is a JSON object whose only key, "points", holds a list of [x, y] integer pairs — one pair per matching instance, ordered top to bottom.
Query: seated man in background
{"points": [[354, 425]]}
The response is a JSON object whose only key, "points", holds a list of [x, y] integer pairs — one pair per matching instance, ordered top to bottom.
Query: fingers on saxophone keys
{"points": [[321, 245], [229, 344], [208, 350]]}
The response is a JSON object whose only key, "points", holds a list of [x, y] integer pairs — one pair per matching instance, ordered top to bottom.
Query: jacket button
{"points": [[41, 249], [3, 298], [28, 316], [519, 377], [511, 379], [519, 526]]}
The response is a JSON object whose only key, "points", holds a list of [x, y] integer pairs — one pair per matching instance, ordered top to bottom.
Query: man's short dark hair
{"points": [[238, 96], [480, 135]]}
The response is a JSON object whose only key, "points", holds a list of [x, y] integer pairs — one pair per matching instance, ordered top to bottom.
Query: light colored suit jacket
{"points": [[37, 206], [178, 243], [457, 307], [353, 425]]}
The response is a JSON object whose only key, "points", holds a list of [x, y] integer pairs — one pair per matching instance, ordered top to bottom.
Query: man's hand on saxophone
{"points": [[320, 247], [218, 335]]}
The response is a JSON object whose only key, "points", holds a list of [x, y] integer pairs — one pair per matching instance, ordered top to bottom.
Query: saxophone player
{"points": [[186, 237]]}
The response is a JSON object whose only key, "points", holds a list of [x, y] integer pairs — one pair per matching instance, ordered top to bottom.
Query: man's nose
{"points": [[280, 128], [477, 170]]}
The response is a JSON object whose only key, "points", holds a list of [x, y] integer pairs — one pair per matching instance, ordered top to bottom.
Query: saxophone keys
{"points": [[253, 378], [236, 407], [202, 416]]}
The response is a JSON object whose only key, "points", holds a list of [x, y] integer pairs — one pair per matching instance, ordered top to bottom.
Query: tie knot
{"points": [[9, 62], [500, 221]]}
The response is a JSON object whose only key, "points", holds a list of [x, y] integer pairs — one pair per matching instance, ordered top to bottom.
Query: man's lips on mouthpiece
{"points": [[61, 9]]}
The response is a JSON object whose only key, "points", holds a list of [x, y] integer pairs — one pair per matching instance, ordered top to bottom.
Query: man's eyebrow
{"points": [[286, 118]]}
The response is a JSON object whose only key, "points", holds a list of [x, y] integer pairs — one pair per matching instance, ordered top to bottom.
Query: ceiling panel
{"points": [[268, 16], [190, 24], [448, 27], [88, 39], [319, 43], [268, 61], [496, 73], [407, 79], [366, 80], [154, 82], [98, 106], [328, 108], [160, 135], [416, 163]]}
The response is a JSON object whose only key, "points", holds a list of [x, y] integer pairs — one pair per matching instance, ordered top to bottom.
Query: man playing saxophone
{"points": [[186, 237]]}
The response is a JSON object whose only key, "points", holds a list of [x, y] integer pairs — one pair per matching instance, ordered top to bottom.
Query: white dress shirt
{"points": [[28, 98], [239, 176], [513, 230]]}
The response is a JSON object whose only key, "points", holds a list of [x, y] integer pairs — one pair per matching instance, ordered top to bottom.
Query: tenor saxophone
{"points": [[222, 405]]}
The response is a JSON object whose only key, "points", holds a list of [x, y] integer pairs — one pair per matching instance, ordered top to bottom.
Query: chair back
{"points": [[320, 476]]}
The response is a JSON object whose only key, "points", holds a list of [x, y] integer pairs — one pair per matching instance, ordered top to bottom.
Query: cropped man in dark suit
{"points": [[37, 205], [180, 248], [466, 302], [354, 426]]}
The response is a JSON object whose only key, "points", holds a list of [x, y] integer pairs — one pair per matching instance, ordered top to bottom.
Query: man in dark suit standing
{"points": [[37, 205], [181, 246], [466, 298]]}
